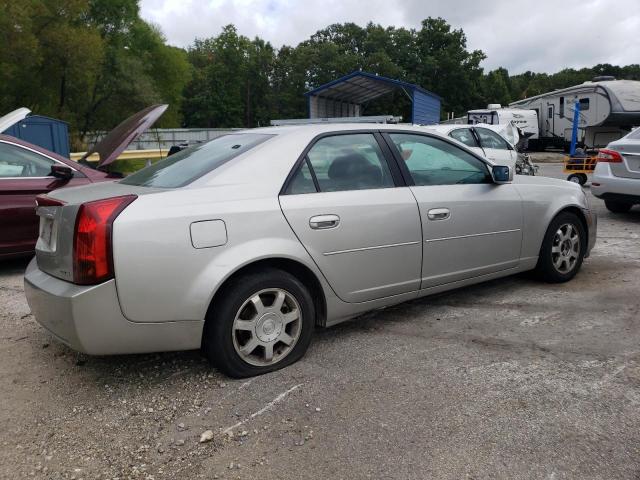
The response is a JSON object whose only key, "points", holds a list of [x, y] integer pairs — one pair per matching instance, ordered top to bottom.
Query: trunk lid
{"points": [[11, 118], [115, 142], [630, 151], [54, 248]]}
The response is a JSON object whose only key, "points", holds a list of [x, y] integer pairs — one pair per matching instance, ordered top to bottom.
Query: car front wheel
{"points": [[563, 249], [263, 321]]}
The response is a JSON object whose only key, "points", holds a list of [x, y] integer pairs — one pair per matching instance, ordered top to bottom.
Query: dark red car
{"points": [[27, 170]]}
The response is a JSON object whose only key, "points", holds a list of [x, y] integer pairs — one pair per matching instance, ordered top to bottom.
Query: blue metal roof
{"points": [[359, 87], [345, 96]]}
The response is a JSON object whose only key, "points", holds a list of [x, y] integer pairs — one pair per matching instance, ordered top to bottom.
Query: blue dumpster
{"points": [[45, 132]]}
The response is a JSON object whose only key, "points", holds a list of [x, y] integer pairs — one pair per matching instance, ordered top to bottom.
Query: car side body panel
{"points": [[543, 198], [481, 234], [152, 237], [375, 248]]}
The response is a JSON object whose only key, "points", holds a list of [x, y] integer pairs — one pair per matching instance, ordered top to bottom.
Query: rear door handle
{"points": [[438, 214], [321, 222]]}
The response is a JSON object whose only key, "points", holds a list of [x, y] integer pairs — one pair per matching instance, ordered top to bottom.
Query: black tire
{"points": [[579, 178], [617, 207], [546, 269], [218, 336]]}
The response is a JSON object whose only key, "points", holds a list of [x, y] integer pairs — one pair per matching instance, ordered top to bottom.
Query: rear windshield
{"points": [[635, 135], [188, 165]]}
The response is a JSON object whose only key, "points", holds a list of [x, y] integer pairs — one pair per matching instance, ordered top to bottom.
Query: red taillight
{"points": [[609, 156], [44, 201], [92, 248]]}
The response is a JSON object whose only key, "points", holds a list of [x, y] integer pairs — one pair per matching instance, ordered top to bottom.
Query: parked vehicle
{"points": [[609, 108], [495, 114], [482, 140], [519, 141], [27, 170], [616, 178], [244, 244]]}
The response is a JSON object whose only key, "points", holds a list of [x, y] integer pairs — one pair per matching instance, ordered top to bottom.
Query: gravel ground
{"points": [[509, 379]]}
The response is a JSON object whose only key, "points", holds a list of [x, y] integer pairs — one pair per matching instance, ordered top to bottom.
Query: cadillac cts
{"points": [[242, 245]]}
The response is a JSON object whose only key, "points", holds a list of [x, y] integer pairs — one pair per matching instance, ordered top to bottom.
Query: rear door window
{"points": [[188, 165]]}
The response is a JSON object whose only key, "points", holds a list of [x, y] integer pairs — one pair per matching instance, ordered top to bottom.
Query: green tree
{"points": [[90, 62], [231, 84], [496, 87]]}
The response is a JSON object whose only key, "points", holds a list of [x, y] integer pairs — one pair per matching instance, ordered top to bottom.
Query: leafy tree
{"points": [[90, 62], [231, 81], [496, 87]]}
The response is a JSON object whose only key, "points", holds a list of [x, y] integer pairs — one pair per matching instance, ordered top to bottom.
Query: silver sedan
{"points": [[616, 178], [243, 245]]}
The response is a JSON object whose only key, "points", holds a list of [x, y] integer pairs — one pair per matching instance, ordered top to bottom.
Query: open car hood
{"points": [[11, 118], [111, 146]]}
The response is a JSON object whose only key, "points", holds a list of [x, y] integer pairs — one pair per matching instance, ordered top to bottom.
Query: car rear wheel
{"points": [[617, 207], [563, 249], [263, 321]]}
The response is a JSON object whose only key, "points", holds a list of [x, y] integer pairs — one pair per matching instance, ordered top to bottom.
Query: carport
{"points": [[346, 97]]}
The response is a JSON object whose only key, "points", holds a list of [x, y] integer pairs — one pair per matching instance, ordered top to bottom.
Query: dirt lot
{"points": [[510, 379]]}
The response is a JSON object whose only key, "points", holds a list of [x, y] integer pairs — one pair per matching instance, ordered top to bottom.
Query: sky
{"points": [[537, 35]]}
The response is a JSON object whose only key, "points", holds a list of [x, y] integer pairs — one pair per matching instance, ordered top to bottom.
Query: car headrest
{"points": [[357, 169]]}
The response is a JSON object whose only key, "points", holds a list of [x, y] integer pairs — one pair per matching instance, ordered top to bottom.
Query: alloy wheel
{"points": [[565, 248], [267, 326]]}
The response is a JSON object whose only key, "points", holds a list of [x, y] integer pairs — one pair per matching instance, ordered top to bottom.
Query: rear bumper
{"points": [[610, 187], [89, 319]]}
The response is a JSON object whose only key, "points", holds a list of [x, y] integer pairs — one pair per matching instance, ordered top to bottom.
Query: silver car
{"points": [[616, 178], [243, 245]]}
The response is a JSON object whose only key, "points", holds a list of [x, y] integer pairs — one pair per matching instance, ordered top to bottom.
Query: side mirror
{"points": [[62, 172], [501, 174]]}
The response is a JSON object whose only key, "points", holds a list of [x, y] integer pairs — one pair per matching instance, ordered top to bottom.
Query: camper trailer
{"points": [[609, 108], [494, 114]]}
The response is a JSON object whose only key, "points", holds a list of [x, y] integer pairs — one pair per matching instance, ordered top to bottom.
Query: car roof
{"points": [[320, 128], [446, 128]]}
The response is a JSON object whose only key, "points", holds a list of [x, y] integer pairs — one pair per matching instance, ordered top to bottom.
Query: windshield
{"points": [[184, 167]]}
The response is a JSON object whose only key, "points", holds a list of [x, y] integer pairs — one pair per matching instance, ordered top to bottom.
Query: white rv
{"points": [[609, 108], [494, 114]]}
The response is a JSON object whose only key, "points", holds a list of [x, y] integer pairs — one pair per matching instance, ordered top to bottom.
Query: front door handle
{"points": [[438, 214], [321, 222]]}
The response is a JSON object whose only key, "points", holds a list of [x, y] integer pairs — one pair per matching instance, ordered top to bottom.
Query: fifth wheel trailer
{"points": [[609, 108]]}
